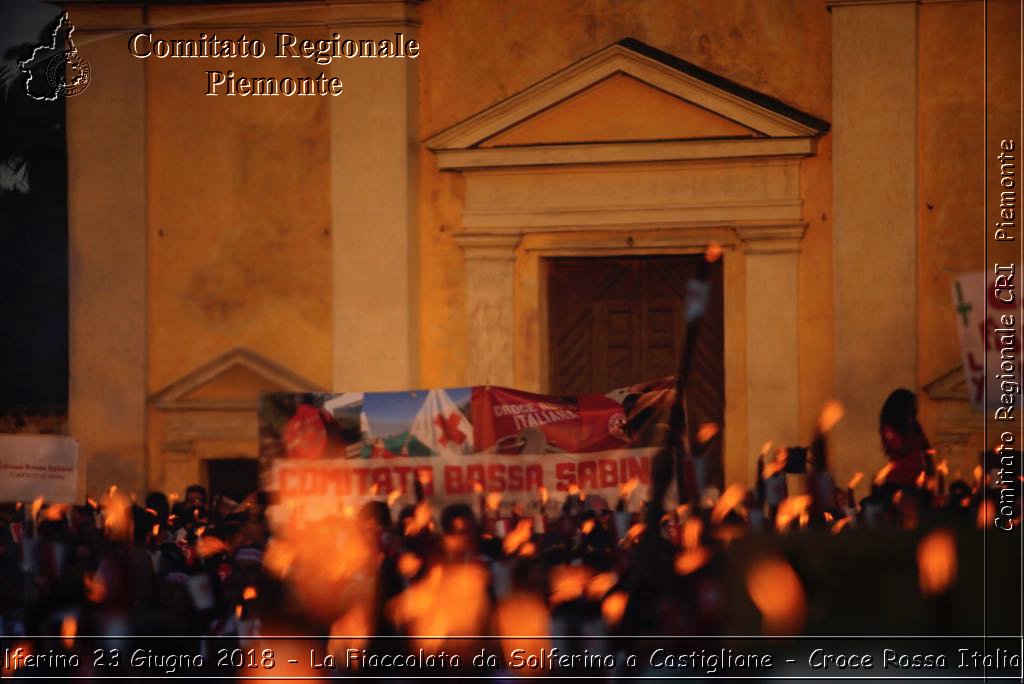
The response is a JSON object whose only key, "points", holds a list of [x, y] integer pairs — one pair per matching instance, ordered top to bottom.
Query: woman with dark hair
{"points": [[904, 440]]}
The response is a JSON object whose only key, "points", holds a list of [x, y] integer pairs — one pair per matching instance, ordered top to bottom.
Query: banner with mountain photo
{"points": [[324, 452]]}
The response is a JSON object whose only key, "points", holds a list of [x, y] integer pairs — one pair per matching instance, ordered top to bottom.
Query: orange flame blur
{"points": [[713, 252], [831, 413], [706, 432], [883, 474], [855, 480], [626, 488], [543, 492], [393, 496], [731, 497], [493, 501], [791, 508], [117, 516], [422, 519], [840, 524], [588, 526], [692, 530], [519, 535], [210, 546], [691, 560], [936, 562], [409, 564], [568, 583], [599, 585], [95, 587], [776, 591], [249, 593], [450, 601], [614, 607], [523, 622], [68, 630]]}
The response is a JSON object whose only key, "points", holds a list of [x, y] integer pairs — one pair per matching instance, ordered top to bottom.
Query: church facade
{"points": [[410, 231]]}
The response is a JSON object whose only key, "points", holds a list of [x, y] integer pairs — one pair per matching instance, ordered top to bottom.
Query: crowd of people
{"points": [[396, 570]]}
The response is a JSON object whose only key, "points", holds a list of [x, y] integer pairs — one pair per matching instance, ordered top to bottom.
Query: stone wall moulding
{"points": [[241, 375]]}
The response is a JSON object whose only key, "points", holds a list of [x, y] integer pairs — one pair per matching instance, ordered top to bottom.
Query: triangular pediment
{"points": [[628, 92], [596, 115], [233, 380], [950, 385]]}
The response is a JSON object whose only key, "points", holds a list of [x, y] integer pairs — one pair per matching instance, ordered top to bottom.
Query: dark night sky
{"points": [[33, 228]]}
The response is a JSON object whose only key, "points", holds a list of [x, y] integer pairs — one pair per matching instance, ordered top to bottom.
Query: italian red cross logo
{"points": [[449, 428]]}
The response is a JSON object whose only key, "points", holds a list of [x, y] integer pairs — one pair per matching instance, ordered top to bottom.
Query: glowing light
{"points": [[731, 497], [936, 562], [776, 591], [614, 607]]}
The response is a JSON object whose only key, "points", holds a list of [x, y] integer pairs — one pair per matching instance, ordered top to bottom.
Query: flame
{"points": [[713, 252], [831, 413], [706, 432], [777, 464], [943, 468], [883, 474], [978, 476], [922, 478], [855, 480], [477, 487], [626, 488], [543, 492], [393, 496], [731, 497], [493, 501], [791, 508], [34, 509], [55, 511], [986, 513], [117, 516], [829, 517], [421, 519], [840, 524], [588, 526], [156, 530], [635, 530], [692, 530], [519, 535], [210, 546], [528, 550], [279, 557], [691, 560], [936, 562], [409, 564], [568, 583], [599, 585], [95, 587], [776, 591], [249, 593], [450, 601], [614, 607], [238, 611], [523, 622], [68, 630], [351, 630]]}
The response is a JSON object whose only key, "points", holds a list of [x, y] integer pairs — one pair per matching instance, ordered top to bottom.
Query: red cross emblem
{"points": [[449, 428]]}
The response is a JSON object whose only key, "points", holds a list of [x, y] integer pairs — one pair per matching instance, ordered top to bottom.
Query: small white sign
{"points": [[38, 465]]}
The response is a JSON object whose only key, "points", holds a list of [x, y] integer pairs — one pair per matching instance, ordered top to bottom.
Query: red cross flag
{"points": [[441, 426]]}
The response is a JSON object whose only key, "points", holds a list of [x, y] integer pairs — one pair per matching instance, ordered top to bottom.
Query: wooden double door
{"points": [[615, 322]]}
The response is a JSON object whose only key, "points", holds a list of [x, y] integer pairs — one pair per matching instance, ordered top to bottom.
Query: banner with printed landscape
{"points": [[327, 451]]}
